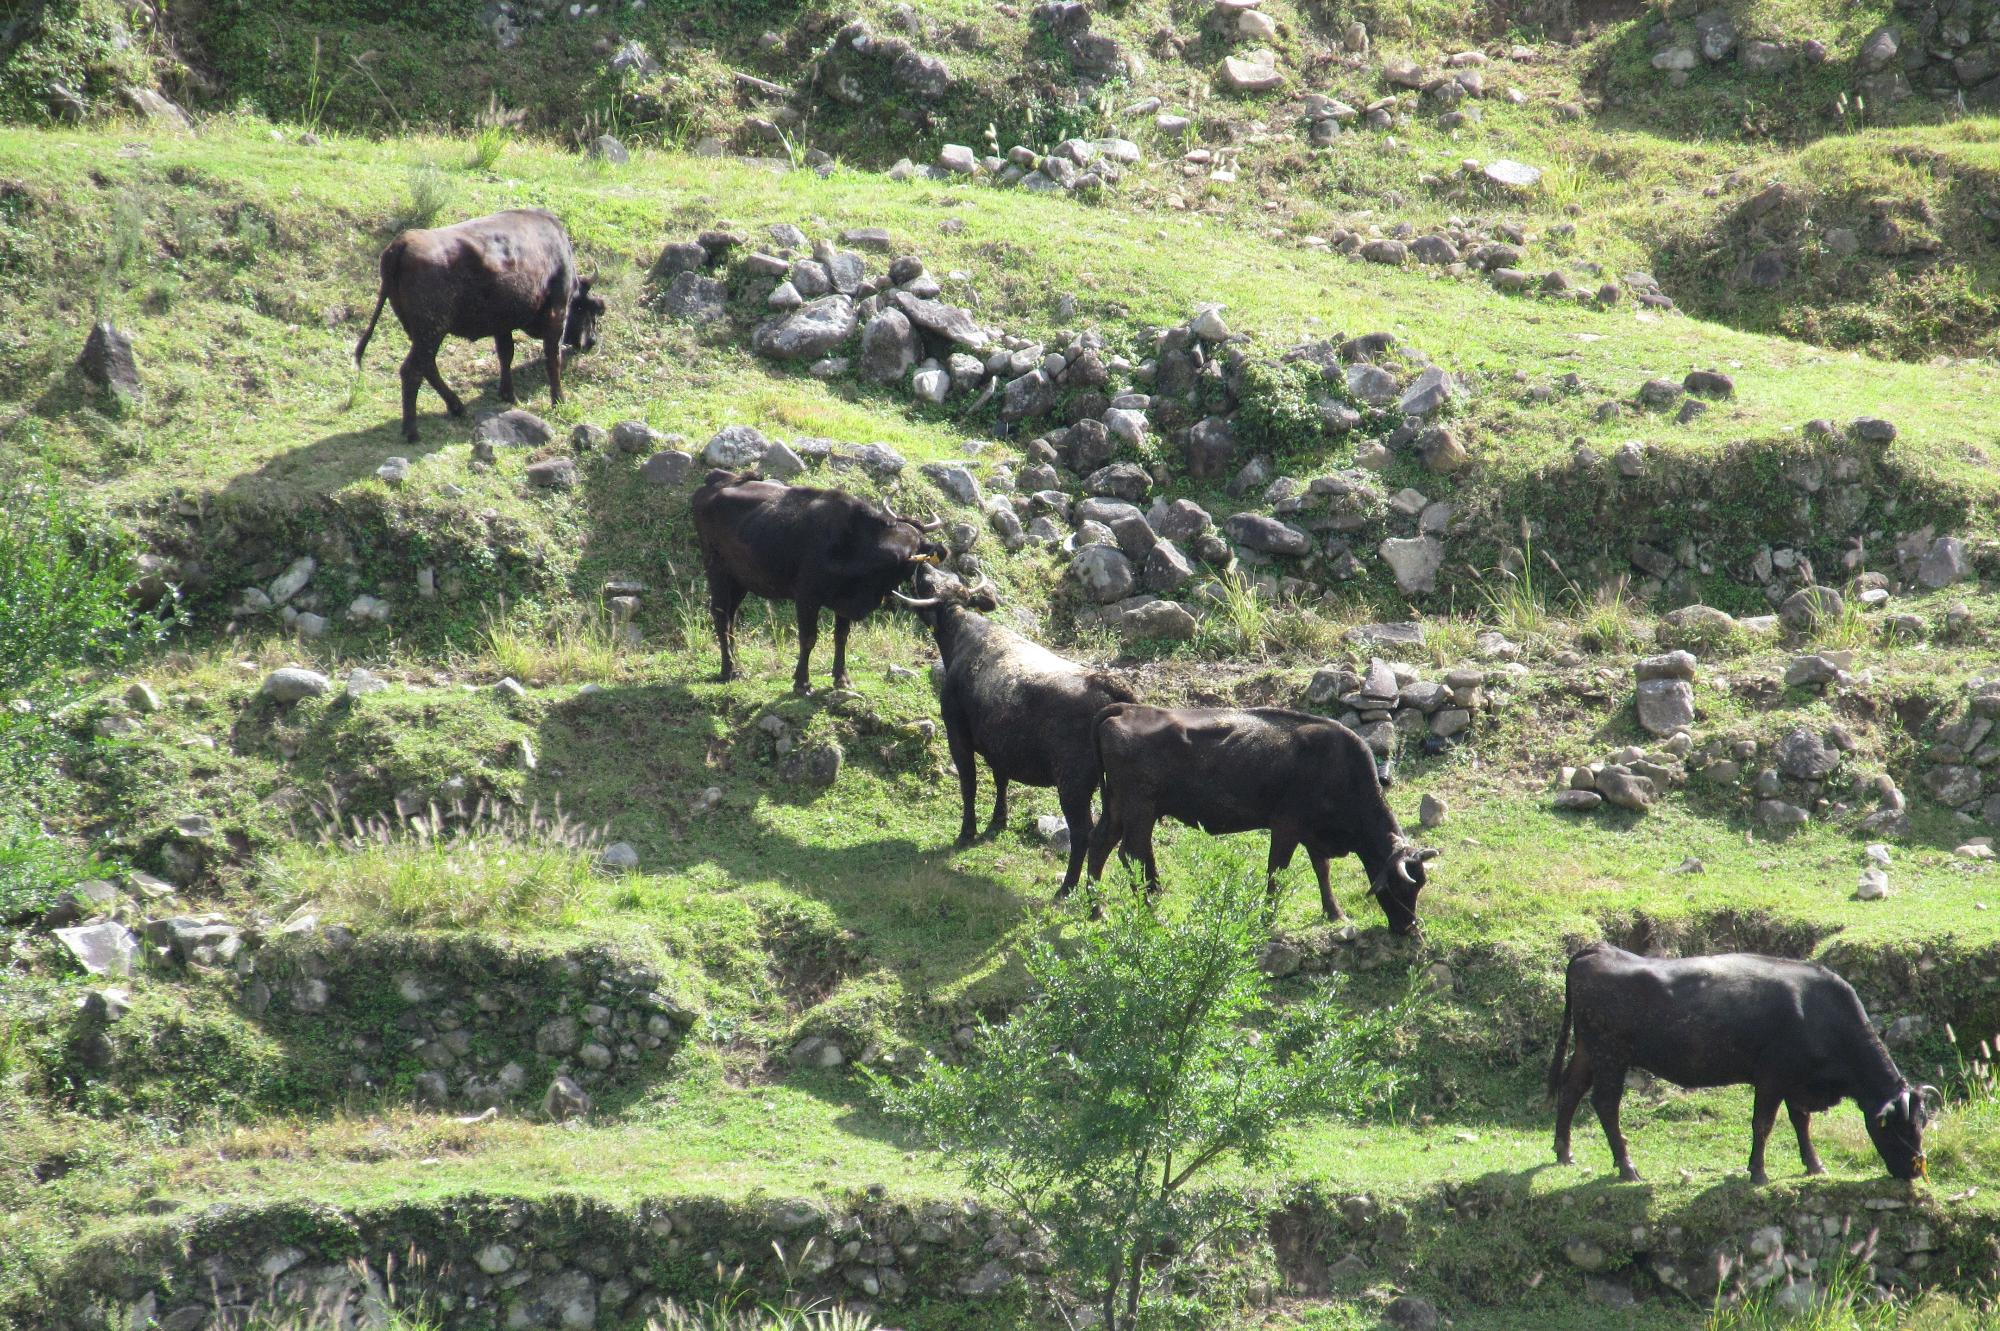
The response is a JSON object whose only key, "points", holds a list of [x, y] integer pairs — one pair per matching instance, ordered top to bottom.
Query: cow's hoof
{"points": [[455, 408], [842, 682], [964, 840], [1565, 1158], [1816, 1171], [1629, 1175], [1758, 1178]]}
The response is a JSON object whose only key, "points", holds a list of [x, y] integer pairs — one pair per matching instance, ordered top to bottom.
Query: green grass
{"points": [[244, 263]]}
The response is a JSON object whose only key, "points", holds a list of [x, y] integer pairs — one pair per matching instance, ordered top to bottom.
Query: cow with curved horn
{"points": [[819, 549], [1022, 708], [1307, 780], [1793, 1031]]}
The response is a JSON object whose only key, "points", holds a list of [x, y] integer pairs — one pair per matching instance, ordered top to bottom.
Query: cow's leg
{"points": [[503, 347], [552, 358], [413, 379], [452, 403], [724, 599], [841, 624], [808, 636], [959, 739], [1076, 812], [998, 822], [1109, 832], [1139, 846], [1276, 862], [1328, 906], [1576, 1080], [1607, 1089], [1763, 1113], [1802, 1126]]}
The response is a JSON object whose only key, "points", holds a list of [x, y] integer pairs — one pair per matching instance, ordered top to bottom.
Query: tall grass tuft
{"points": [[492, 130], [431, 192], [1242, 618], [1605, 622], [573, 645], [457, 868], [1838, 1296], [738, 1308]]}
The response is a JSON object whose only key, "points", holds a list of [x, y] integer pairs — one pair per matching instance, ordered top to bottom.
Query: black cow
{"points": [[484, 278], [815, 548], [1024, 709], [1308, 780], [1792, 1030]]}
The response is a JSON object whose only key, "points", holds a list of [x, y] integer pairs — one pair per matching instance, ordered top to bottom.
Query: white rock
{"points": [[1512, 174]]}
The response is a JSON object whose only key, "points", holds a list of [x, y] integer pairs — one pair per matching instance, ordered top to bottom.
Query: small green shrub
{"points": [[431, 192], [1941, 308], [1278, 407], [64, 570], [34, 867], [1149, 1051]]}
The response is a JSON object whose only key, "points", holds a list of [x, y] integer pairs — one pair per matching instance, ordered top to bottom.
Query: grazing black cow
{"points": [[484, 278], [815, 548], [1024, 709], [1308, 780], [1792, 1030]]}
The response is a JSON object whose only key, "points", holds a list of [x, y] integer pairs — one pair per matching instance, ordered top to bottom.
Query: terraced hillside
{"points": [[1588, 405]]}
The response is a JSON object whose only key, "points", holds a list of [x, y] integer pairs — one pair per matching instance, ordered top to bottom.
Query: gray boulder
{"points": [[693, 298], [946, 321], [810, 331], [888, 347], [108, 362], [513, 428], [736, 447], [671, 467], [1254, 531], [1415, 561], [1944, 563], [1167, 568], [1103, 572], [1165, 620], [292, 683], [1665, 705], [1805, 756], [1627, 790], [102, 949], [564, 1100]]}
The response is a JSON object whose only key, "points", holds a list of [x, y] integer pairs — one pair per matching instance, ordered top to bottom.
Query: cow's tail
{"points": [[392, 263], [1097, 748], [1562, 1042]]}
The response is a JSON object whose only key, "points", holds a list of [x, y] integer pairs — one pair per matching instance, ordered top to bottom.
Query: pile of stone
{"points": [[1712, 39], [1941, 47], [1093, 56], [857, 58], [1080, 166], [290, 597], [1391, 701], [1963, 749], [1631, 778], [566, 1262]]}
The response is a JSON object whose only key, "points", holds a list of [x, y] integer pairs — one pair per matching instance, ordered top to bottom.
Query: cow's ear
{"points": [[1881, 1112]]}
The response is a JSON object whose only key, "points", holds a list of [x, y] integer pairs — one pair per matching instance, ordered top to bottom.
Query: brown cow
{"points": [[484, 278], [815, 548]]}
